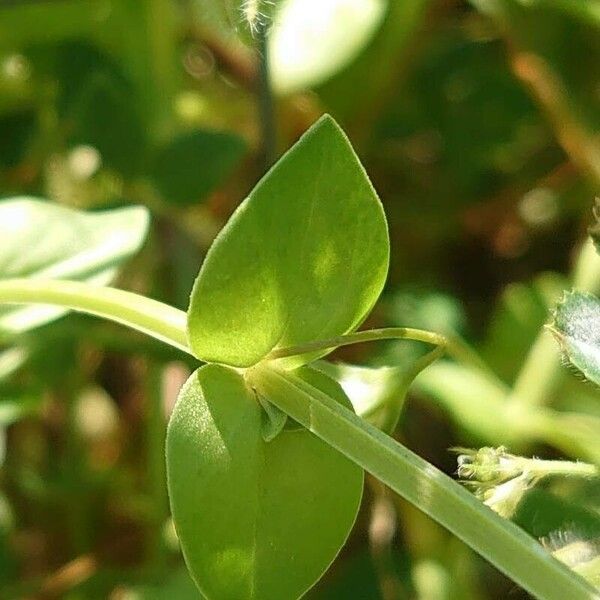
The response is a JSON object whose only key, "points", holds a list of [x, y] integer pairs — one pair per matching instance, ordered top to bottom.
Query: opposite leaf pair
{"points": [[304, 258]]}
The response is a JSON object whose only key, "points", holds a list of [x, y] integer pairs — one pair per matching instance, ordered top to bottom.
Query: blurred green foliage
{"points": [[479, 124]]}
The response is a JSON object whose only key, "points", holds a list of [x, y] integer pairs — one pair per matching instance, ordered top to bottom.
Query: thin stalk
{"points": [[266, 104], [153, 318], [369, 335], [453, 345], [424, 361], [491, 467], [543, 468], [501, 542]]}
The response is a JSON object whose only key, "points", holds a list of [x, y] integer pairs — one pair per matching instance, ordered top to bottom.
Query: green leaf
{"points": [[312, 40], [354, 93], [192, 165], [44, 241], [304, 257], [516, 321], [576, 327], [317, 376], [376, 394], [473, 401], [273, 420], [255, 519]]}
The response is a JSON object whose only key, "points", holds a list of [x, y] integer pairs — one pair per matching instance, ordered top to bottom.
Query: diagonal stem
{"points": [[153, 318], [453, 345], [501, 542]]}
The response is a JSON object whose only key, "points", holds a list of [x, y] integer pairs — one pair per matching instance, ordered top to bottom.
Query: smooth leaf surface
{"points": [[312, 40], [192, 165], [46, 241], [304, 257], [521, 311], [576, 326], [321, 379], [376, 394], [472, 400], [255, 519]]}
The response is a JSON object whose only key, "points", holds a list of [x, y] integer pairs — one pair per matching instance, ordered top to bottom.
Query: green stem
{"points": [[153, 318], [370, 335], [453, 345], [423, 362], [544, 468], [501, 542]]}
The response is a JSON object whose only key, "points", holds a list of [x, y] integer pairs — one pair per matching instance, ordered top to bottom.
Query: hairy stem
{"points": [[153, 318], [566, 468]]}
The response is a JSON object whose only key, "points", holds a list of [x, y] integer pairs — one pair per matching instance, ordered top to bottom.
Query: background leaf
{"points": [[312, 40], [193, 164], [46, 241], [304, 257], [521, 311], [576, 326], [377, 393], [247, 510]]}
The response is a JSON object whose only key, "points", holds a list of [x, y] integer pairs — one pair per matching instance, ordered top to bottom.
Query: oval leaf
{"points": [[312, 40], [47, 241], [304, 257], [576, 326], [255, 519]]}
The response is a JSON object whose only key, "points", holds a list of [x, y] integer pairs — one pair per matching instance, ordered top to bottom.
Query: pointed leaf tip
{"points": [[304, 257]]}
